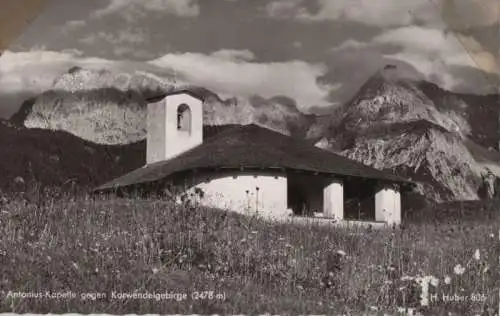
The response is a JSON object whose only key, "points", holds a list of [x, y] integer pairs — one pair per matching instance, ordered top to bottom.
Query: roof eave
{"points": [[162, 96]]}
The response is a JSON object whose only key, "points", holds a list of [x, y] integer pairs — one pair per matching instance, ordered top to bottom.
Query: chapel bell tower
{"points": [[174, 125]]}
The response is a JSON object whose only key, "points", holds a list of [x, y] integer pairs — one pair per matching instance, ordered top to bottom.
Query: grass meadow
{"points": [[89, 255]]}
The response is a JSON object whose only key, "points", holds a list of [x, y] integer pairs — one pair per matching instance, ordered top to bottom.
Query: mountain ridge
{"points": [[111, 109], [396, 122], [392, 123]]}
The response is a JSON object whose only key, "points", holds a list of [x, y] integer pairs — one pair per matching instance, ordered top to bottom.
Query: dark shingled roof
{"points": [[194, 91], [252, 147]]}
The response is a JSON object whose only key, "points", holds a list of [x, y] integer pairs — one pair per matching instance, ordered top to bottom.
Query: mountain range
{"points": [[109, 108], [396, 122]]}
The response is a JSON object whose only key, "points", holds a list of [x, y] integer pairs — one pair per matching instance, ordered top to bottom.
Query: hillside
{"points": [[56, 158], [59, 159], [148, 246]]}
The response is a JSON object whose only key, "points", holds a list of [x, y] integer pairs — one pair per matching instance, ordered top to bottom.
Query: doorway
{"points": [[304, 193], [359, 200]]}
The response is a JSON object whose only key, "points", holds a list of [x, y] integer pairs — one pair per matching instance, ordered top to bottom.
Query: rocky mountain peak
{"points": [[74, 69], [392, 72], [78, 79], [390, 79], [392, 96], [108, 106], [392, 123]]}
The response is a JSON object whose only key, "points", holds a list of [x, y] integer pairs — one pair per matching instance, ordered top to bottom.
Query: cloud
{"points": [[132, 9], [285, 9], [380, 12], [458, 14], [466, 14], [73, 25], [128, 36], [420, 39], [128, 42], [349, 44], [437, 46], [72, 52], [127, 52], [435, 54], [234, 55], [440, 58], [433, 70], [34, 71], [229, 72], [26, 74], [296, 79]]}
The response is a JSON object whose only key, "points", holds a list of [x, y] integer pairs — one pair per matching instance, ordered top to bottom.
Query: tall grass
{"points": [[104, 245]]}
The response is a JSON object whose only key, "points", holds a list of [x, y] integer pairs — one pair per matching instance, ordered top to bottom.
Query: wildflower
{"points": [[254, 232], [492, 235], [341, 252], [477, 255], [458, 269], [486, 269], [155, 270], [406, 278], [447, 280], [434, 281], [300, 287]]}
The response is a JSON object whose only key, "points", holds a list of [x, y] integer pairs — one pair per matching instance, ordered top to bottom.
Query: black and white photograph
{"points": [[250, 157]]}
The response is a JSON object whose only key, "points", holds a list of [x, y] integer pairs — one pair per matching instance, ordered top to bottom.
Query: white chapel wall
{"points": [[238, 192], [333, 200], [388, 205]]}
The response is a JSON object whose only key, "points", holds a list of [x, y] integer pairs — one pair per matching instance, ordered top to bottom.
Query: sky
{"points": [[318, 52]]}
